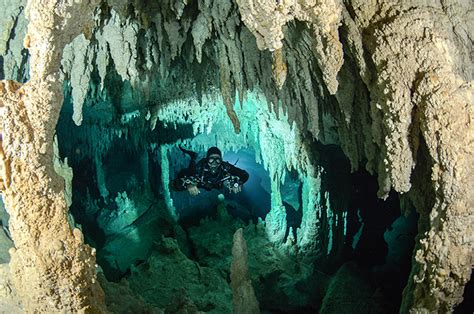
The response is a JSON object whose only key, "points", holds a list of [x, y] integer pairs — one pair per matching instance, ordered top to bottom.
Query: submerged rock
{"points": [[169, 277], [282, 279], [350, 292], [119, 298]]}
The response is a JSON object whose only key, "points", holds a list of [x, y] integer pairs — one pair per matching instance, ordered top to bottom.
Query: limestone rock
{"points": [[266, 19], [12, 32], [45, 260], [274, 270], [204, 286], [348, 292], [243, 296], [119, 298], [9, 301]]}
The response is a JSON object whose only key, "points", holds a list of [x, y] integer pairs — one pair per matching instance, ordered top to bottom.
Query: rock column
{"points": [[51, 268]]}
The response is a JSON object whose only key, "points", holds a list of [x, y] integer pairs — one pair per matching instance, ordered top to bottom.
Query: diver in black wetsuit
{"points": [[209, 173]]}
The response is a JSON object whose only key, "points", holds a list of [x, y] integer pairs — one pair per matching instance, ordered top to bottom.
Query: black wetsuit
{"points": [[200, 175]]}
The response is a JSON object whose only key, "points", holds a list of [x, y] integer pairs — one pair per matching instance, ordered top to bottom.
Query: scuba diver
{"points": [[209, 173]]}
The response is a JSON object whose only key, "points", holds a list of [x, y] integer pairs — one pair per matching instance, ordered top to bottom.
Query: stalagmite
{"points": [[243, 296]]}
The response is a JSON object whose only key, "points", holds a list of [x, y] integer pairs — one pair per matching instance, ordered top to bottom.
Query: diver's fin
{"points": [[191, 154]]}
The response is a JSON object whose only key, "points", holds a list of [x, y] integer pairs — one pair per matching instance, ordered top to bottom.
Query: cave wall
{"points": [[413, 58], [391, 83], [423, 86], [51, 269]]}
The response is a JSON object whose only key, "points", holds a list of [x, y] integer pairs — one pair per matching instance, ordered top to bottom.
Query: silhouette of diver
{"points": [[209, 173]]}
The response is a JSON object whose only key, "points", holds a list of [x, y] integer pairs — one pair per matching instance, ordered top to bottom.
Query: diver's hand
{"points": [[235, 189], [193, 190]]}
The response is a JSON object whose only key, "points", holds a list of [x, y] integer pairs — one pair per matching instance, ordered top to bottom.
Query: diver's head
{"points": [[214, 159]]}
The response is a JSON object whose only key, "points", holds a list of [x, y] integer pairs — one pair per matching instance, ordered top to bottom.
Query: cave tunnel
{"points": [[122, 200], [341, 201]]}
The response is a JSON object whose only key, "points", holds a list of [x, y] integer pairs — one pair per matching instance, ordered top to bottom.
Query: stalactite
{"points": [[324, 18], [13, 25], [201, 32], [120, 40], [116, 42], [78, 56], [279, 69], [227, 89], [100, 175], [165, 180], [275, 221], [308, 234]]}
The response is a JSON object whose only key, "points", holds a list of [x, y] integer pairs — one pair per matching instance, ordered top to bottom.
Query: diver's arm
{"points": [[237, 172], [189, 178], [235, 178], [186, 179]]}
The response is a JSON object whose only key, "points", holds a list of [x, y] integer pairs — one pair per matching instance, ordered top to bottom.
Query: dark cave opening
{"points": [[125, 170], [386, 239], [376, 249], [467, 305]]}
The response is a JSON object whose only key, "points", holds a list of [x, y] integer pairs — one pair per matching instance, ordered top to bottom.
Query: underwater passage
{"points": [[236, 156], [174, 196]]}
